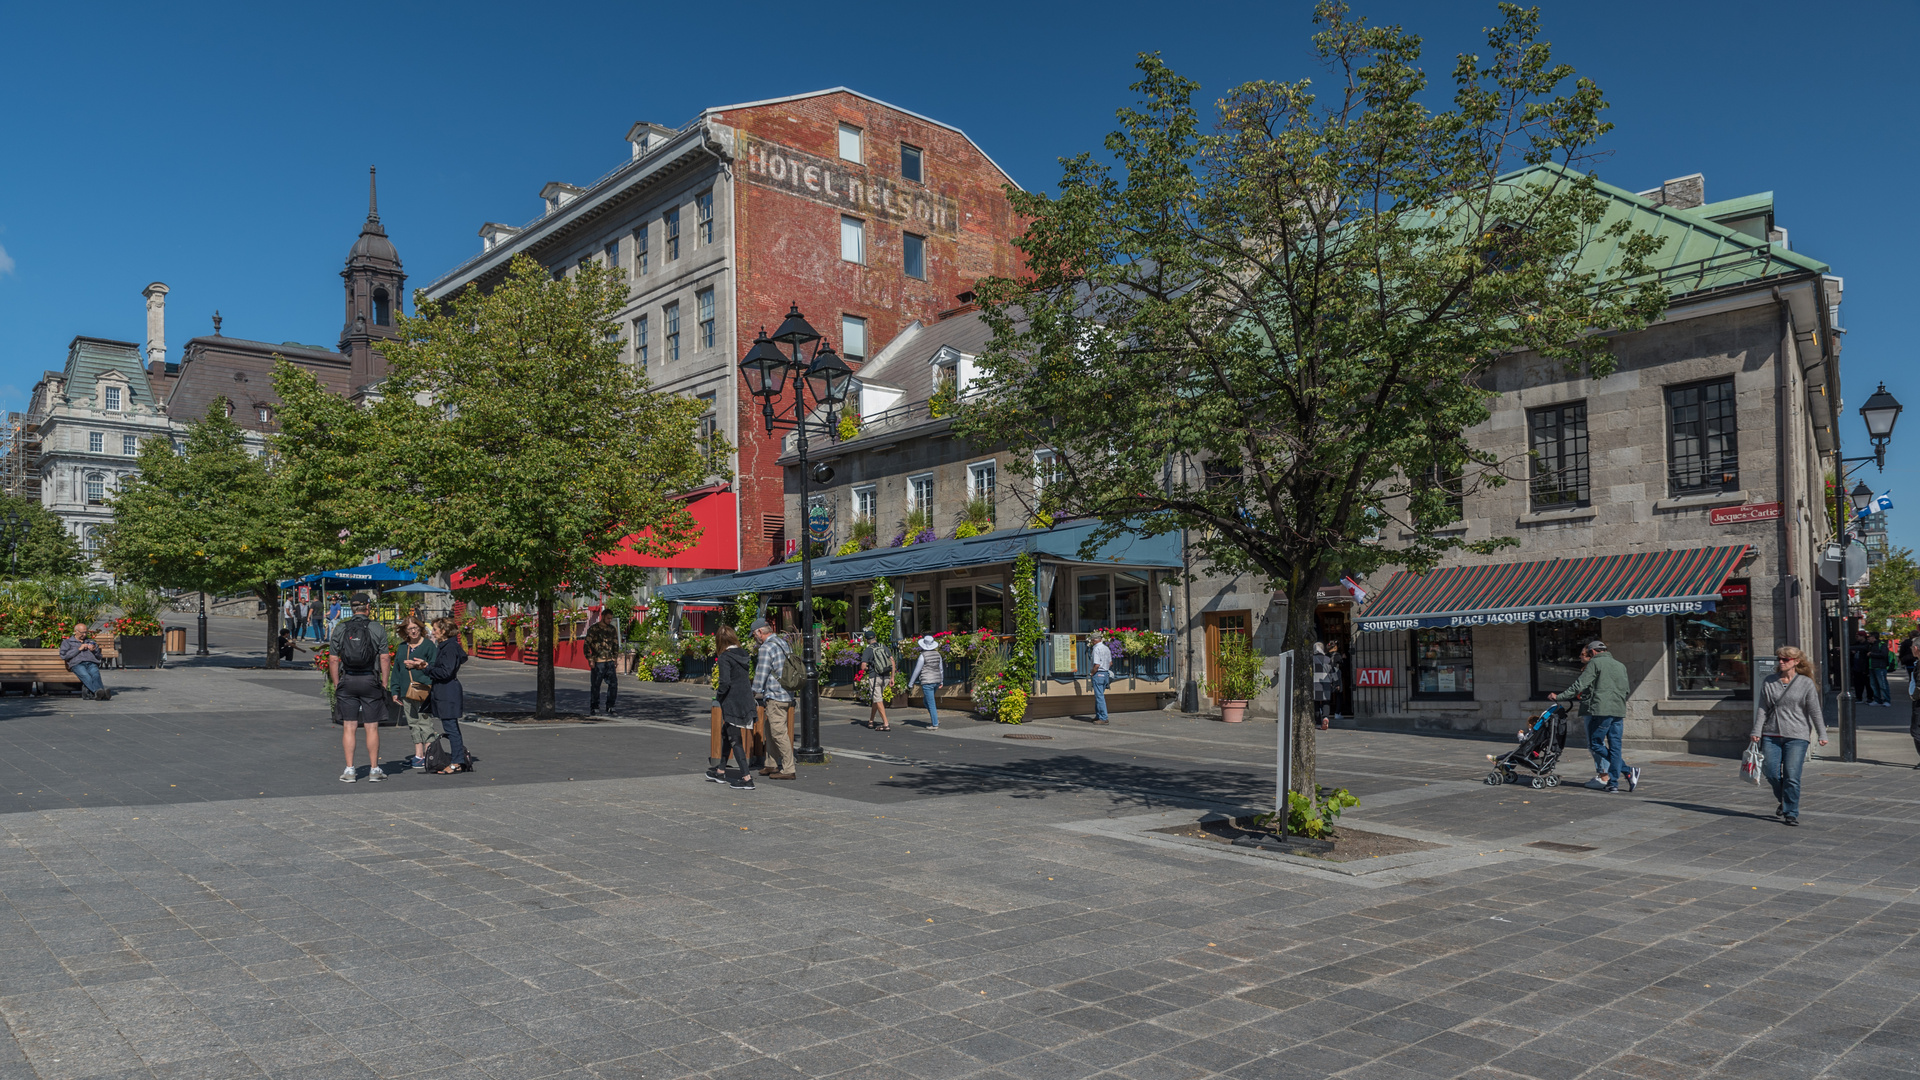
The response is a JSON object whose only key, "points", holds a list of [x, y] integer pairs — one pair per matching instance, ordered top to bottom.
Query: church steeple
{"points": [[375, 290]]}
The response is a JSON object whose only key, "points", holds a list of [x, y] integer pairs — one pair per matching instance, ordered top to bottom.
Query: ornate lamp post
{"points": [[828, 378], [1880, 413], [14, 537]]}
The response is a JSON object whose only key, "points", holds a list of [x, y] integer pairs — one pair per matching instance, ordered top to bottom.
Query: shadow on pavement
{"points": [[1035, 778]]}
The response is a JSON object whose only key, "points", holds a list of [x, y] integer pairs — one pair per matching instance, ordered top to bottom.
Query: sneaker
{"points": [[416, 763], [349, 775], [375, 775], [715, 776], [1633, 778], [745, 784], [1596, 784], [1610, 789], [1792, 820]]}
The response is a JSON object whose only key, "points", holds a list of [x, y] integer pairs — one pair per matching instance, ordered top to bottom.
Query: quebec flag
{"points": [[1882, 503]]}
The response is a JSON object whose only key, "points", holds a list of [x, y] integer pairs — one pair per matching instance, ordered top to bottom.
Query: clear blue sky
{"points": [[223, 148]]}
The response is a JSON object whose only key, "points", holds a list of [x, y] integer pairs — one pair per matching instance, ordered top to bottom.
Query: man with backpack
{"points": [[360, 665], [774, 680]]}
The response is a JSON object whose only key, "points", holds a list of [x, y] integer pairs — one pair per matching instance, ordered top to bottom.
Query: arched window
{"points": [[382, 315], [96, 488], [91, 539]]}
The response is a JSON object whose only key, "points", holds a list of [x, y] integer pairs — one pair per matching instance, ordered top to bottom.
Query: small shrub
{"points": [[1013, 707], [1311, 817]]}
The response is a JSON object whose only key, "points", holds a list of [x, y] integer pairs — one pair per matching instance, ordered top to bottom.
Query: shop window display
{"points": [[1555, 648], [1712, 652], [1443, 664]]}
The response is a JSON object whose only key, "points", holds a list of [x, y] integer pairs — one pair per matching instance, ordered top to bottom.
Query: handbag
{"points": [[417, 691], [1752, 764]]}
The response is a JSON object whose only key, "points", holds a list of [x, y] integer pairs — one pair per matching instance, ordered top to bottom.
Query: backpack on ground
{"points": [[358, 654], [792, 672], [438, 757]]}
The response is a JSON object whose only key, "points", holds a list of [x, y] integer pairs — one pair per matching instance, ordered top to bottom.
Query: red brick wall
{"points": [[787, 243]]}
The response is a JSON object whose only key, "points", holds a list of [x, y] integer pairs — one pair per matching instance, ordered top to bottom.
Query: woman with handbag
{"points": [[1323, 676], [411, 687], [449, 702], [1789, 717]]}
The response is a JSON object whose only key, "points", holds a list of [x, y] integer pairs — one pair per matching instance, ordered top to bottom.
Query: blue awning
{"points": [[1061, 543], [348, 577]]}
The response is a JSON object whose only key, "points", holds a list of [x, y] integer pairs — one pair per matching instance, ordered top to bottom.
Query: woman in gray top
{"points": [[1791, 713]]}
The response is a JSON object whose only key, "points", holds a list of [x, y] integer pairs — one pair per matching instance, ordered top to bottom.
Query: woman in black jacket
{"points": [[448, 702], [736, 711]]}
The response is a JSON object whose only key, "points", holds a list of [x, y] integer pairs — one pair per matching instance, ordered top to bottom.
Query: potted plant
{"points": [[138, 636], [1240, 677]]}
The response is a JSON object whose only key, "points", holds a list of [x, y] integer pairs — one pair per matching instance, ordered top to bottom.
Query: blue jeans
{"points": [[601, 671], [89, 676], [1101, 680], [1877, 686], [933, 711], [1603, 739], [456, 746], [1783, 758]]}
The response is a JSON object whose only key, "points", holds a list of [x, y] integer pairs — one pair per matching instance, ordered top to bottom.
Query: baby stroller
{"points": [[1541, 743]]}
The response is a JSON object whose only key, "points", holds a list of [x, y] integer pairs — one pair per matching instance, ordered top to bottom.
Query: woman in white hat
{"points": [[929, 673]]}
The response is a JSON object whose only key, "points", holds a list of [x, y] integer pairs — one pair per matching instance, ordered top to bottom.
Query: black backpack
{"points": [[358, 654], [438, 758]]}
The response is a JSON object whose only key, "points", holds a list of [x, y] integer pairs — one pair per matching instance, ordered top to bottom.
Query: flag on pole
{"points": [[1884, 501], [1359, 594]]}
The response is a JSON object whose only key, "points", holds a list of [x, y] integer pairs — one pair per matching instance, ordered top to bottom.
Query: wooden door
{"points": [[1218, 623]]}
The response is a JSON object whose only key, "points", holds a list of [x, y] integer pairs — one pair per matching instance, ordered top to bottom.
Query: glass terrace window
{"points": [[703, 217], [704, 299], [673, 330], [1558, 437], [1702, 439], [982, 477], [920, 494], [866, 503]]}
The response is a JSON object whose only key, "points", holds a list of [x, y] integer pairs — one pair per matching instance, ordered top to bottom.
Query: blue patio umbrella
{"points": [[418, 587]]}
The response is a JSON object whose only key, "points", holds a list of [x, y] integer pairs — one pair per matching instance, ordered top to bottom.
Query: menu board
{"points": [[1063, 652]]}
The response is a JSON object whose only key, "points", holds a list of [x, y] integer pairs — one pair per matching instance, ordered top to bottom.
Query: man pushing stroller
{"points": [[1604, 688]]}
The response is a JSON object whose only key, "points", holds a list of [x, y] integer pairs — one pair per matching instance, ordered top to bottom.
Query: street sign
{"points": [[1735, 515]]}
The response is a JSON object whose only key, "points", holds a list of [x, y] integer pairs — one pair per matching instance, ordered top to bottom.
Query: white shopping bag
{"points": [[1752, 764]]}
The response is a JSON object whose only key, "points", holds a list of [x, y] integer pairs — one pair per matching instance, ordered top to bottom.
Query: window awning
{"points": [[1061, 543], [1549, 590]]}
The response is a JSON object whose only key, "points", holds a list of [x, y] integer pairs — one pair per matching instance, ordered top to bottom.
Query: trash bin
{"points": [[176, 639]]}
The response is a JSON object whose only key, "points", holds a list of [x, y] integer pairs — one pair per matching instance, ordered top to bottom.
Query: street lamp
{"points": [[767, 372], [1880, 412], [1860, 496], [13, 542]]}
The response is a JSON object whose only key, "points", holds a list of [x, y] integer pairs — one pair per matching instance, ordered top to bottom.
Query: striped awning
{"points": [[1598, 587]]}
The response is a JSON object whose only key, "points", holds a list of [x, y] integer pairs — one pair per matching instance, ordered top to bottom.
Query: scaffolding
{"points": [[20, 456]]}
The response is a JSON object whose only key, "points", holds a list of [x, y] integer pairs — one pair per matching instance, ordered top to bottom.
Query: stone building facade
{"points": [[864, 214], [1707, 446]]}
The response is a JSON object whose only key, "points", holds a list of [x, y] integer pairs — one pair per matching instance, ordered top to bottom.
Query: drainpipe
{"points": [[1789, 502]]}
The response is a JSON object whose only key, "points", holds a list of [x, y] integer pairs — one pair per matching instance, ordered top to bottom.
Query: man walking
{"points": [[602, 646], [83, 659], [360, 666], [877, 666], [1102, 675], [1604, 687], [773, 695]]}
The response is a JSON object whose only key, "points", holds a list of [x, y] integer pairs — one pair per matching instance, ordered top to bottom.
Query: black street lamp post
{"points": [[766, 370], [1880, 413], [14, 537]]}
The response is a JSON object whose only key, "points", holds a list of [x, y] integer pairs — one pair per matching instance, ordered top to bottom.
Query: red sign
{"points": [[1734, 515], [1733, 590], [1373, 676]]}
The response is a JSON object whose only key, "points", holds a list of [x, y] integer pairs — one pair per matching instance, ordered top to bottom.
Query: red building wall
{"points": [[791, 190]]}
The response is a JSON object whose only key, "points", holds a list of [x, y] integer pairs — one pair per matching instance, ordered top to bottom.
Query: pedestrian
{"points": [[287, 611], [286, 645], [602, 648], [82, 655], [412, 657], [1910, 657], [1878, 661], [359, 663], [1857, 666], [877, 667], [1101, 667], [928, 674], [1322, 686], [1603, 687], [770, 690], [736, 696], [1337, 700], [448, 701], [1790, 715]]}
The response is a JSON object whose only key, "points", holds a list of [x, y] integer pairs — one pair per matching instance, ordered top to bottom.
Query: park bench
{"points": [[109, 656], [38, 668]]}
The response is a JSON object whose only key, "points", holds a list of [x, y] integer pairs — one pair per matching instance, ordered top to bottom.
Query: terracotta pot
{"points": [[1233, 712]]}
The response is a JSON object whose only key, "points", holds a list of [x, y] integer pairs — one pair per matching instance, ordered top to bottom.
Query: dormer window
{"points": [[953, 369], [113, 399], [263, 413]]}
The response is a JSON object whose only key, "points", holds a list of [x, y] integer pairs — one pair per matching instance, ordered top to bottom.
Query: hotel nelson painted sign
{"points": [[833, 183]]}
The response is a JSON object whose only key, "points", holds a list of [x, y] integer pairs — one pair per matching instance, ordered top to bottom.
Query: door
{"points": [[1219, 623]]}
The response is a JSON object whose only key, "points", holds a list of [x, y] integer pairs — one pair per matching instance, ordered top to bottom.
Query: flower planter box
{"points": [[141, 650], [492, 650], [695, 669], [841, 674]]}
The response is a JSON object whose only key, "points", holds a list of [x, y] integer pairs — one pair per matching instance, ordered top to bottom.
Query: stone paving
{"points": [[927, 906]]}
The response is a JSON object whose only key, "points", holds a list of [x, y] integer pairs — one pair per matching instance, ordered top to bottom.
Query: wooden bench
{"points": [[109, 656], [38, 668]]}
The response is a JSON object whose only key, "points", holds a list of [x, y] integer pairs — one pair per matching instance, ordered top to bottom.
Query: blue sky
{"points": [[223, 148]]}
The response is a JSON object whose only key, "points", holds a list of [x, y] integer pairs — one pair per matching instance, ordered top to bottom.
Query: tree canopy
{"points": [[1275, 332], [39, 544], [1888, 595]]}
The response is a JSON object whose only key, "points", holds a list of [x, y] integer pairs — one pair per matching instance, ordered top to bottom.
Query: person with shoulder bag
{"points": [[359, 664], [877, 665], [774, 685], [1322, 687], [411, 688], [735, 695], [447, 702], [1791, 714]]}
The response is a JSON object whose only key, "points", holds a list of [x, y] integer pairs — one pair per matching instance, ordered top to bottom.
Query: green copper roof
{"points": [[1740, 207], [1699, 254], [90, 358]]}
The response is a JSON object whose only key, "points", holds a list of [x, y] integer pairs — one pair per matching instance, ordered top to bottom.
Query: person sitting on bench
{"points": [[83, 659]]}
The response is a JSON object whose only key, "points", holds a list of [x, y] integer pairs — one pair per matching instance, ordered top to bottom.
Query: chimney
{"points": [[1680, 193], [156, 295]]}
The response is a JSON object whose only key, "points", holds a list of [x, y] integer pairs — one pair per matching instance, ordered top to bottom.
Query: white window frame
{"points": [[853, 143], [703, 218], [855, 230], [670, 232], [640, 250], [612, 253], [703, 310], [849, 324], [671, 338], [640, 341], [112, 398], [96, 442], [130, 446], [1046, 464], [990, 469], [95, 488], [914, 498], [866, 503]]}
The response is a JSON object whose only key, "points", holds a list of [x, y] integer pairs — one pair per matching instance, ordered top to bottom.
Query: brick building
{"points": [[867, 216]]}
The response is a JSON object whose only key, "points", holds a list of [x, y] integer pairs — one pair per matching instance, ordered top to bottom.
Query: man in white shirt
{"points": [[1102, 675]]}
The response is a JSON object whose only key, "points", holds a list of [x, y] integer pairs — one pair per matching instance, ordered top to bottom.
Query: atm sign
{"points": [[1373, 676]]}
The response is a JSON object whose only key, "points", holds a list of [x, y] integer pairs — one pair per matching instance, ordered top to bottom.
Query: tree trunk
{"points": [[270, 592], [1300, 633], [543, 678]]}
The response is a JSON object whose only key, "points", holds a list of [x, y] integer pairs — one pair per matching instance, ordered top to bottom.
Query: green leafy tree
{"points": [[1274, 332], [509, 437], [214, 518], [38, 545], [1888, 595]]}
